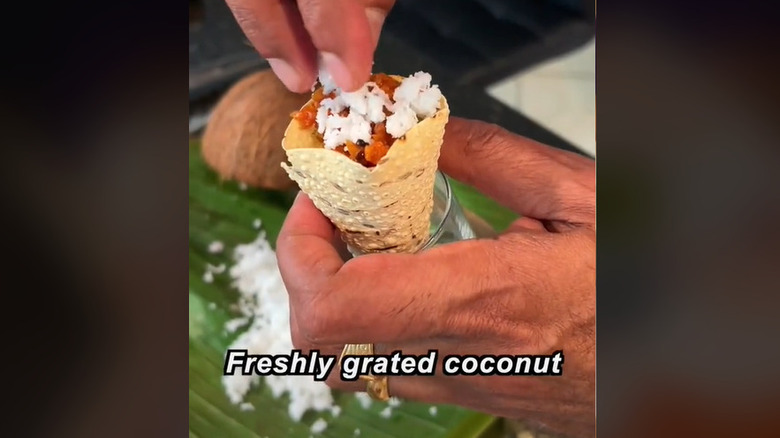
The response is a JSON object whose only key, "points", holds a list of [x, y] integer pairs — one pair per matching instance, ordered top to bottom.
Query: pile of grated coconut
{"points": [[414, 99], [263, 304], [265, 315]]}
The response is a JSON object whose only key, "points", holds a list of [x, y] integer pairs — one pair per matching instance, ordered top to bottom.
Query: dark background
{"points": [[94, 108]]}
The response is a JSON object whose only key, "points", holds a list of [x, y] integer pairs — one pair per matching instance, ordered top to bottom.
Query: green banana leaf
{"points": [[221, 211]]}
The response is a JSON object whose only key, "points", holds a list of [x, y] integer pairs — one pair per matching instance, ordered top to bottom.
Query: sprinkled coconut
{"points": [[414, 99], [216, 247], [364, 399], [386, 412], [319, 426]]}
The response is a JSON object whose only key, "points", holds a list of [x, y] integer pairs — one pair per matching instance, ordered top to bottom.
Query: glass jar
{"points": [[448, 222]]}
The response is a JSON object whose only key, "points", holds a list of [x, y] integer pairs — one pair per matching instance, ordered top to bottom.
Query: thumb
{"points": [[305, 251]]}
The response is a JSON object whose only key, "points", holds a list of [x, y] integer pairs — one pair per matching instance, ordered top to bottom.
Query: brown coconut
{"points": [[242, 139]]}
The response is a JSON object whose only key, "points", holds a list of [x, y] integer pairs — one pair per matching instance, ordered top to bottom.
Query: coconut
{"points": [[241, 141]]}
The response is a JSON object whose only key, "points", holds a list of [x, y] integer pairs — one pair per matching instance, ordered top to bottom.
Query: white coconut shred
{"points": [[413, 100], [263, 304], [263, 307], [319, 426]]}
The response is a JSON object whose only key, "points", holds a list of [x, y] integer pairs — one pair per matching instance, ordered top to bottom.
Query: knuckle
{"points": [[261, 35], [484, 138], [487, 142], [578, 200]]}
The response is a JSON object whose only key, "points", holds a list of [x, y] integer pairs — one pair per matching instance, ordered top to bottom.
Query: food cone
{"points": [[382, 209]]}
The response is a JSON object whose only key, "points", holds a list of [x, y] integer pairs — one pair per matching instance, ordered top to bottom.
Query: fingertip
{"points": [[344, 38], [345, 77], [297, 80], [305, 214], [304, 247]]}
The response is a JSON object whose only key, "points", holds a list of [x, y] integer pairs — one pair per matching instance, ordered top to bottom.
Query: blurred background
{"points": [[527, 65]]}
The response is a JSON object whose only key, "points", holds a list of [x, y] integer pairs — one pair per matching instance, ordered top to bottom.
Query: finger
{"points": [[376, 11], [276, 30], [341, 32], [533, 179], [527, 224], [304, 248], [457, 290], [372, 300]]}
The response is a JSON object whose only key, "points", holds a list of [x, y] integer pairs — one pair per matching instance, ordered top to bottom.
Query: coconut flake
{"points": [[328, 84], [417, 93], [357, 100], [377, 101], [427, 102], [400, 122], [359, 128], [339, 130], [335, 131], [216, 247], [215, 269], [235, 324], [364, 399], [433, 411], [386, 412], [319, 426]]}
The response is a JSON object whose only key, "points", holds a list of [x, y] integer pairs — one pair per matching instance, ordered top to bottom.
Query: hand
{"points": [[290, 34], [529, 291]]}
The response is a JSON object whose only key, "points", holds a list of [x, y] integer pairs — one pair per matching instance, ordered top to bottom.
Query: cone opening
{"points": [[364, 125]]}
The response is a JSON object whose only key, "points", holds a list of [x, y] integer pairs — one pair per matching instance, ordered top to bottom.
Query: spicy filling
{"points": [[364, 124]]}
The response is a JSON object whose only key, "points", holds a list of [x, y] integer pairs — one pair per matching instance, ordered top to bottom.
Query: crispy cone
{"points": [[384, 209]]}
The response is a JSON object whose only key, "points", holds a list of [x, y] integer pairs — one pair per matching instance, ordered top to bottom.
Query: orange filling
{"points": [[366, 154]]}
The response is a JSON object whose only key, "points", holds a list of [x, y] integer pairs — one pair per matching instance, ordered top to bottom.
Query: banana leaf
{"points": [[221, 211]]}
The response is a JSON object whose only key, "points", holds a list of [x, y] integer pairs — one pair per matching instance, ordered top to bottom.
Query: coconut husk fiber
{"points": [[241, 139], [384, 209]]}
